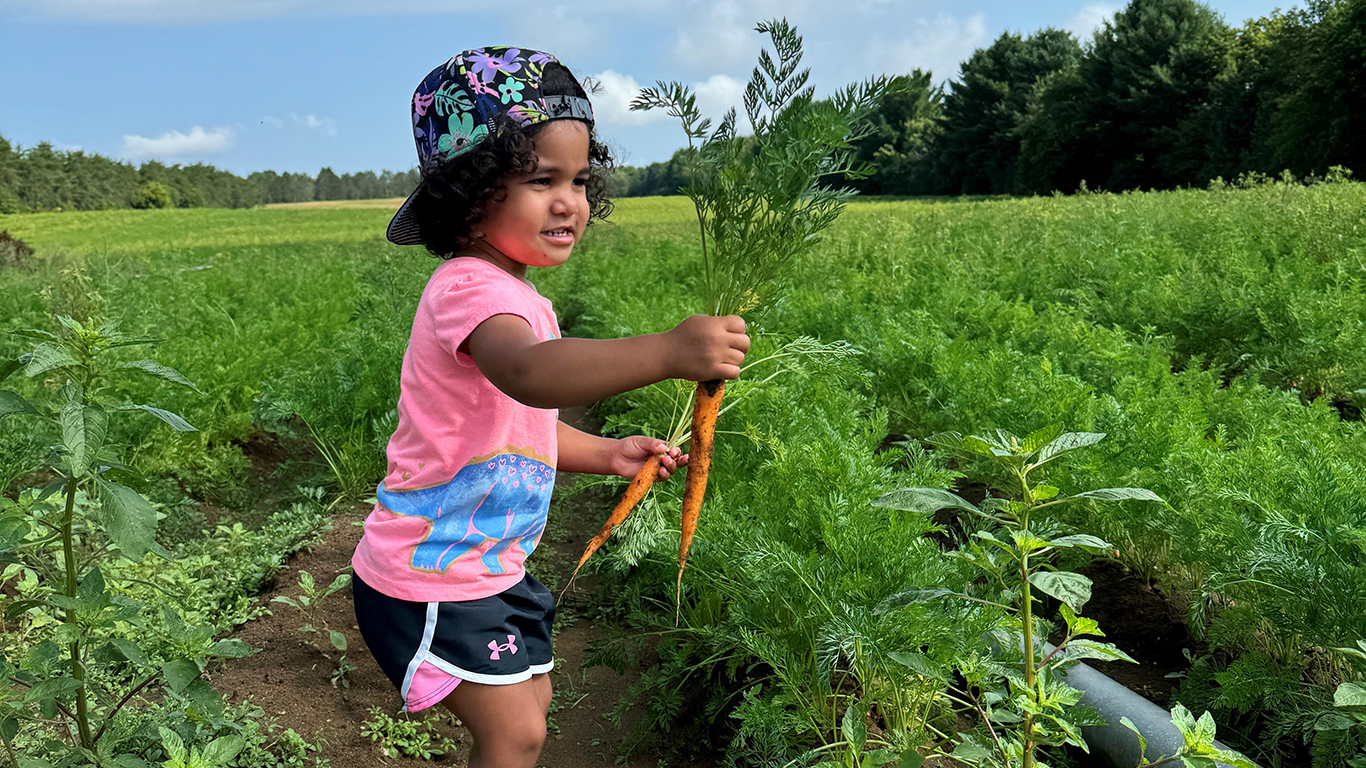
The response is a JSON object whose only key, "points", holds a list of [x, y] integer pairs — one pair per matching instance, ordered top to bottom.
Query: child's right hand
{"points": [[706, 347]]}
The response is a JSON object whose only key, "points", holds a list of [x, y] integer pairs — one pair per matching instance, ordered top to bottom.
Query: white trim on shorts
{"points": [[424, 653]]}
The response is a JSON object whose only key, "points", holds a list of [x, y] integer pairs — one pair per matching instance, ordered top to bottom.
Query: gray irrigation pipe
{"points": [[1114, 742]]}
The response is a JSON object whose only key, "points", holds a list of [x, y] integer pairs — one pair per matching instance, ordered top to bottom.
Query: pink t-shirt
{"points": [[470, 469]]}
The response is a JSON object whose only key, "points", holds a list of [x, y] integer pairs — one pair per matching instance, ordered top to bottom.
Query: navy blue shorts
{"points": [[427, 649]]}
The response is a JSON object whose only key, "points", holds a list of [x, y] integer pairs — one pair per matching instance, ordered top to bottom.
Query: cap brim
{"points": [[403, 227]]}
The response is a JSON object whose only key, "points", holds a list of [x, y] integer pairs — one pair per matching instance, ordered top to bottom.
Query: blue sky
{"points": [[293, 85]]}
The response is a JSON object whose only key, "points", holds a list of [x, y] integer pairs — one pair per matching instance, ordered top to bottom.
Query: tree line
{"points": [[1165, 95], [41, 178]]}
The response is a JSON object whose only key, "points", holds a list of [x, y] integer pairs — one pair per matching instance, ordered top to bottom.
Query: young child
{"points": [[512, 173]]}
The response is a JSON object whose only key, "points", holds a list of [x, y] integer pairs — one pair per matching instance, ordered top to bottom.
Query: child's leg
{"points": [[507, 721]]}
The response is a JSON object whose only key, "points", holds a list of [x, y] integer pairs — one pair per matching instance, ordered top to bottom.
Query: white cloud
{"points": [[1090, 18], [719, 34], [939, 45], [719, 93], [612, 101], [310, 122], [315, 123], [174, 144]]}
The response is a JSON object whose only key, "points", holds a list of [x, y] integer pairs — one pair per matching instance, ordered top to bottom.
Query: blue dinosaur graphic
{"points": [[502, 499]]}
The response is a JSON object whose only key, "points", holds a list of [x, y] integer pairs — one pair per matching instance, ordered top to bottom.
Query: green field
{"points": [[1218, 339]]}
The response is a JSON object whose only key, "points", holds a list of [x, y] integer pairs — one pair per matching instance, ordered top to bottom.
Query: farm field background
{"points": [[1217, 337]]}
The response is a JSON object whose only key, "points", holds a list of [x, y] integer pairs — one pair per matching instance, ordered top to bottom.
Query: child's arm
{"points": [[567, 372], [589, 454]]}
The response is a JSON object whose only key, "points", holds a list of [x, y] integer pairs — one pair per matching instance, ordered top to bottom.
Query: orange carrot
{"points": [[706, 408], [640, 484]]}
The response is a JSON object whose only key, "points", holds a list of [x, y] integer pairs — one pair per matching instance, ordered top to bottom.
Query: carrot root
{"points": [[706, 409], [640, 485]]}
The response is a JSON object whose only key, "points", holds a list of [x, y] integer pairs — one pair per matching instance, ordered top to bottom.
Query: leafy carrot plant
{"points": [[761, 200]]}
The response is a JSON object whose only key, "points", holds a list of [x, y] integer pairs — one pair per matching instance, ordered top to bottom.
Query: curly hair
{"points": [[456, 195]]}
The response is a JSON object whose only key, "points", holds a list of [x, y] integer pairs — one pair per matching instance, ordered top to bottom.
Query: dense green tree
{"points": [[1322, 67], [1145, 79], [986, 106], [904, 131], [328, 186], [152, 194]]}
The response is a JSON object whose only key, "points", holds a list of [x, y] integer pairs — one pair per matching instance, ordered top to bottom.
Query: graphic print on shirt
{"points": [[500, 499]]}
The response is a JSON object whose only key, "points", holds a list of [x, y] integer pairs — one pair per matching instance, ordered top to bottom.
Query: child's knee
{"points": [[526, 737]]}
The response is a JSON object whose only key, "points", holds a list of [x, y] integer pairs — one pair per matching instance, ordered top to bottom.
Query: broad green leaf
{"points": [[46, 357], [8, 367], [160, 371], [12, 404], [177, 422], [83, 431], [1041, 437], [1069, 441], [1001, 442], [1044, 492], [1120, 494], [926, 501], [129, 519], [13, 530], [1026, 541], [1084, 541], [306, 581], [338, 583], [1071, 588], [91, 591], [906, 597], [286, 600], [1079, 625], [338, 640], [232, 648], [1090, 649], [130, 651], [920, 664], [180, 673], [53, 688], [205, 696], [1351, 697], [1184, 722], [9, 726], [854, 728], [1142, 741], [175, 748], [223, 749], [970, 750], [911, 759], [1235, 759]]}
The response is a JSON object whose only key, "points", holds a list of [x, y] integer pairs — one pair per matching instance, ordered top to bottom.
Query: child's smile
{"points": [[545, 211]]}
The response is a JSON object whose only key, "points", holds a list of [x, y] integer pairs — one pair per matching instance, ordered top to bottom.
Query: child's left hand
{"points": [[629, 454]]}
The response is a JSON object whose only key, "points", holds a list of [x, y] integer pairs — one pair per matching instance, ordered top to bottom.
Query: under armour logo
{"points": [[510, 647]]}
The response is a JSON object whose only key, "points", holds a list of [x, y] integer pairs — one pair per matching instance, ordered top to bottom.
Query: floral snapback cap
{"points": [[458, 103]]}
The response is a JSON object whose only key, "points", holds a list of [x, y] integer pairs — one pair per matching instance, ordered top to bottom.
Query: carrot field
{"points": [[1217, 338]]}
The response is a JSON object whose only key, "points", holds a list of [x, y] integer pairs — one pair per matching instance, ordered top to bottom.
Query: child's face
{"points": [[545, 211]]}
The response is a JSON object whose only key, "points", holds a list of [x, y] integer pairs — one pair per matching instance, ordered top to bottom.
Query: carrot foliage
{"points": [[763, 199]]}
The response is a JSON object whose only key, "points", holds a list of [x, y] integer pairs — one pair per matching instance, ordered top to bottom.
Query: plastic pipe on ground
{"points": [[1115, 743]]}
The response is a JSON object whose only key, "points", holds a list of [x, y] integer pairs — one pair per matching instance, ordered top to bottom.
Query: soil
{"points": [[1144, 623], [290, 679]]}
